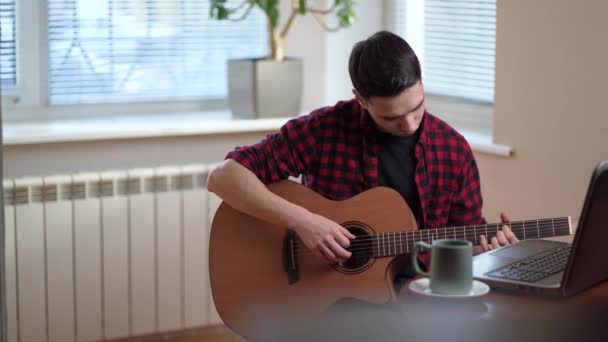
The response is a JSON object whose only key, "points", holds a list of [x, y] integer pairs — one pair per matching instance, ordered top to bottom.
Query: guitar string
{"points": [[462, 231], [366, 240], [364, 244], [386, 248], [393, 249], [307, 253], [309, 259], [316, 261]]}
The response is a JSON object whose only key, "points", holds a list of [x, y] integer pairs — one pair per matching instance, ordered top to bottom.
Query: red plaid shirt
{"points": [[335, 151]]}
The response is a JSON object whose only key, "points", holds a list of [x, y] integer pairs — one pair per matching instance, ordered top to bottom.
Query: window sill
{"points": [[207, 123], [132, 127], [481, 143]]}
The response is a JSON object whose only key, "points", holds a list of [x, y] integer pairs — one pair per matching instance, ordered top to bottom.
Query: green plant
{"points": [[342, 8]]}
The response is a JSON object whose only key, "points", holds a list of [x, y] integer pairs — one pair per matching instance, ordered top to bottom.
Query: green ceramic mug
{"points": [[451, 265]]}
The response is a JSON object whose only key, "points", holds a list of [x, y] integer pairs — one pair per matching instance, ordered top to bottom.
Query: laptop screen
{"points": [[588, 264]]}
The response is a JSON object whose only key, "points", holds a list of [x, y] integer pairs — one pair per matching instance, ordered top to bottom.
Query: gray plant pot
{"points": [[260, 88]]}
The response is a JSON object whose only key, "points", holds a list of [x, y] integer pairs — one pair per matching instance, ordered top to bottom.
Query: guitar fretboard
{"points": [[396, 243]]}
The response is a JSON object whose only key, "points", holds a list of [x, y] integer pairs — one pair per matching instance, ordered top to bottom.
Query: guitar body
{"points": [[251, 280]]}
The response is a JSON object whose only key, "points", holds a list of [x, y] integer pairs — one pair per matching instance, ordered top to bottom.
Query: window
{"points": [[455, 42], [129, 51], [8, 52]]}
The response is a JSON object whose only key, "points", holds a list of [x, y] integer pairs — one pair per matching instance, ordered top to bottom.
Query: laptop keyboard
{"points": [[535, 267]]}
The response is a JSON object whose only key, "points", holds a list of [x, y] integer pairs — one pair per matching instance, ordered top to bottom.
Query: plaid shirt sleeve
{"points": [[290, 152], [467, 202]]}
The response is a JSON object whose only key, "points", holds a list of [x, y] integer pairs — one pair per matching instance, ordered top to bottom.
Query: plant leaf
{"points": [[271, 8], [217, 9], [222, 13], [346, 14]]}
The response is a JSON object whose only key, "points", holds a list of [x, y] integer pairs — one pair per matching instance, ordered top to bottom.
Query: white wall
{"points": [[306, 40], [339, 44], [325, 54], [59, 158]]}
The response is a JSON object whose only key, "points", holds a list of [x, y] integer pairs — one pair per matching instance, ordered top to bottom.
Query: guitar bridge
{"points": [[290, 260]]}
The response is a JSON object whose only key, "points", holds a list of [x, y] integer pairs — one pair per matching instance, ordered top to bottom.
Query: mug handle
{"points": [[417, 248]]}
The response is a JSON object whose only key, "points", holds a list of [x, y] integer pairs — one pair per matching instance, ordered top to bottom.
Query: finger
{"points": [[504, 218], [347, 233], [509, 234], [502, 239], [342, 240], [483, 242], [494, 242], [340, 253], [330, 257]]}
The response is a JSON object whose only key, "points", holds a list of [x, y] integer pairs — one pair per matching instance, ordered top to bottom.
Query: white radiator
{"points": [[102, 255]]}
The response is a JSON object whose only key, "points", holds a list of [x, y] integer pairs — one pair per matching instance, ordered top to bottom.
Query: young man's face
{"points": [[397, 115]]}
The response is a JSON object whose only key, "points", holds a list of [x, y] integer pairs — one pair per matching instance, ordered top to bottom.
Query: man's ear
{"points": [[360, 98]]}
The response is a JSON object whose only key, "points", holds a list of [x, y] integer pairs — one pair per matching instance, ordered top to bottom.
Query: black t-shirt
{"points": [[396, 167]]}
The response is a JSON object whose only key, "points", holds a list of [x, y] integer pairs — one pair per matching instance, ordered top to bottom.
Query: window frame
{"points": [[28, 100]]}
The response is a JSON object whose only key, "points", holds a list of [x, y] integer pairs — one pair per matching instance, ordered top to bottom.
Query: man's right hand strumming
{"points": [[325, 238]]}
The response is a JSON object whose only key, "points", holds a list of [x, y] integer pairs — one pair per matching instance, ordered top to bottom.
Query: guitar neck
{"points": [[397, 243]]}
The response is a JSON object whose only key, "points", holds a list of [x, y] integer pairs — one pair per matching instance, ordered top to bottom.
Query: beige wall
{"points": [[551, 106], [120, 154]]}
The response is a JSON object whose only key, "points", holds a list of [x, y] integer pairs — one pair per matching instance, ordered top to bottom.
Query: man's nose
{"points": [[406, 122]]}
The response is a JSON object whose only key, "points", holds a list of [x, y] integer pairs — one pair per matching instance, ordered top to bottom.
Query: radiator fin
{"points": [[133, 186], [79, 190], [50, 193], [60, 258], [10, 260], [115, 266], [31, 271], [88, 275], [143, 278]]}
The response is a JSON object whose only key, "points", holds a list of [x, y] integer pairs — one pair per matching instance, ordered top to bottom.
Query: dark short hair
{"points": [[383, 65]]}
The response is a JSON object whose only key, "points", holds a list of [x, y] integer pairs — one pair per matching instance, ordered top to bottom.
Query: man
{"points": [[383, 136]]}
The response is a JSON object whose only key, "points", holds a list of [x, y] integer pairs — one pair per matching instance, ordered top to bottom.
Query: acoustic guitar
{"points": [[261, 272]]}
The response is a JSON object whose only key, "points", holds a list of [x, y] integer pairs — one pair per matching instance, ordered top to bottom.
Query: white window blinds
{"points": [[455, 41], [146, 50], [8, 53]]}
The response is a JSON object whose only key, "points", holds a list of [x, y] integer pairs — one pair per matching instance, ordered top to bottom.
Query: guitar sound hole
{"points": [[361, 249]]}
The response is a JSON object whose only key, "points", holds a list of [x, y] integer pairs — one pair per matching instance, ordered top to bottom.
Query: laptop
{"points": [[551, 267]]}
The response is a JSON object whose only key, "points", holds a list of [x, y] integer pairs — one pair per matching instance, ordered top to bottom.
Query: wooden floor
{"points": [[205, 334], [222, 337]]}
